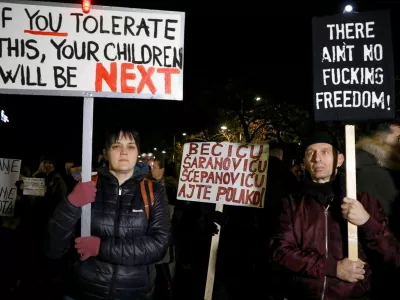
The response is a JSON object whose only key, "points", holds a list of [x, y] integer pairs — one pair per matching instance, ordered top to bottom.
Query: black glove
{"points": [[214, 217], [219, 218]]}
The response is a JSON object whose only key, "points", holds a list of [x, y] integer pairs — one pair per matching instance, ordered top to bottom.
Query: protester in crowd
{"points": [[378, 166], [298, 170], [65, 172], [378, 174], [280, 182], [43, 206], [311, 237], [117, 260], [165, 267]]}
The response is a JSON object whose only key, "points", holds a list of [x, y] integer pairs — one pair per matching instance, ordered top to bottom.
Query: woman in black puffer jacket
{"points": [[117, 261]]}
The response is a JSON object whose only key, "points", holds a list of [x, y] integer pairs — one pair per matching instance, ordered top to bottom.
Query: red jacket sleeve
{"points": [[375, 234], [286, 251]]}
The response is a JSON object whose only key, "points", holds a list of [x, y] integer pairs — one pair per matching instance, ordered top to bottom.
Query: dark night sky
{"points": [[268, 41]]}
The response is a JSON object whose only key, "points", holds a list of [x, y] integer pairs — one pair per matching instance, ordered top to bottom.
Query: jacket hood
{"points": [[377, 153]]}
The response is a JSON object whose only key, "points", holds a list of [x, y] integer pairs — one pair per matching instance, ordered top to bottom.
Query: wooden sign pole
{"points": [[87, 136], [351, 189], [213, 259]]}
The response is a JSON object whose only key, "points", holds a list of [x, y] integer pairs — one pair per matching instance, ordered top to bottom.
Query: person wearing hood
{"points": [[378, 167], [378, 174], [41, 208], [310, 240], [117, 260]]}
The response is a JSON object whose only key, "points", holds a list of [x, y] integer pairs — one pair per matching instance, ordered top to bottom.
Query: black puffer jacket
{"points": [[130, 244]]}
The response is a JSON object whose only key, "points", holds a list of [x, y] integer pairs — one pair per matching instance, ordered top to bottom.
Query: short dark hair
{"points": [[114, 134], [161, 162]]}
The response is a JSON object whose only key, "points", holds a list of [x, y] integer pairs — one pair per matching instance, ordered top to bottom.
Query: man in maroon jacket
{"points": [[311, 237]]}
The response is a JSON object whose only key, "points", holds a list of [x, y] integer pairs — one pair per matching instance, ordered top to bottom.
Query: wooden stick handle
{"points": [[86, 174], [351, 188], [213, 259]]}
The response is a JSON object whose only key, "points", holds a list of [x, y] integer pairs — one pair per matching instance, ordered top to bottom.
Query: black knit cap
{"points": [[322, 137], [47, 158]]}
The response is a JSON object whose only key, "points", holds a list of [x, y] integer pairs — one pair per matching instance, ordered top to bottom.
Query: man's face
{"points": [[393, 137], [322, 161], [156, 171]]}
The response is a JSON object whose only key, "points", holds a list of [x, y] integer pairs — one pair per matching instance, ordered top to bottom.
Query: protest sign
{"points": [[56, 49], [353, 67], [353, 81], [224, 173], [9, 175], [34, 186]]}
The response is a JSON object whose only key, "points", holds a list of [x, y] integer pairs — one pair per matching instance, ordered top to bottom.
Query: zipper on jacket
{"points": [[326, 248], [110, 295]]}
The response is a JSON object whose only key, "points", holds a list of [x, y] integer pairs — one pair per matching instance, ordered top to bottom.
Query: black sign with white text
{"points": [[353, 67]]}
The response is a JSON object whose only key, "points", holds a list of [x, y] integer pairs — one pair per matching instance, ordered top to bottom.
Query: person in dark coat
{"points": [[378, 168], [65, 172], [378, 174], [280, 183], [311, 238], [117, 260]]}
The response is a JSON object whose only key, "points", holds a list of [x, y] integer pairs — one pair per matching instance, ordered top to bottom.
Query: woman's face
{"points": [[122, 155], [48, 166]]}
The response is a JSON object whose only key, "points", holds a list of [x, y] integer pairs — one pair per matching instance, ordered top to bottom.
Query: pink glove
{"points": [[83, 193], [87, 246]]}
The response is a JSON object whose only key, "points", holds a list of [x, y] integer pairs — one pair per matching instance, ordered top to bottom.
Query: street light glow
{"points": [[348, 8], [258, 98], [4, 118], [224, 127], [184, 134], [155, 149], [163, 152]]}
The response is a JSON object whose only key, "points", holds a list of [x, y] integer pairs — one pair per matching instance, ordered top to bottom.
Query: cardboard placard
{"points": [[56, 49], [353, 67], [224, 173], [9, 175], [34, 186]]}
